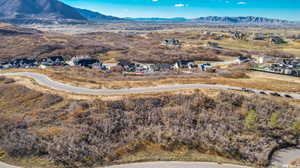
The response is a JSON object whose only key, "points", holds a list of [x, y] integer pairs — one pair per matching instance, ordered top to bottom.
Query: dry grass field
{"points": [[145, 47]]}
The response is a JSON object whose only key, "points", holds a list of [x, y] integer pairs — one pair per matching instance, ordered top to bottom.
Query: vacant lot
{"points": [[223, 127]]}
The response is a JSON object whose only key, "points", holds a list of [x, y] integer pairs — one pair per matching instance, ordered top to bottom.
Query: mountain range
{"points": [[37, 10], [54, 11], [96, 16], [176, 19], [216, 19], [241, 19]]}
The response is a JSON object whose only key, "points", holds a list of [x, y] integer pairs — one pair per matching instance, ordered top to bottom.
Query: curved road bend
{"points": [[46, 81], [284, 157], [172, 164], [176, 164], [4, 165]]}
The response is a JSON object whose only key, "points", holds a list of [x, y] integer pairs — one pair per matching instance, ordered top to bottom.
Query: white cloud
{"points": [[154, 0], [242, 3], [179, 5]]}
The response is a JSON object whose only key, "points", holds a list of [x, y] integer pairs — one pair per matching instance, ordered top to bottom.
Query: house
{"points": [[239, 36], [259, 36], [295, 37], [276, 40], [172, 43], [212, 45], [243, 59], [265, 59], [74, 60], [52, 61], [85, 61], [295, 62], [24, 63], [89, 63], [292, 63], [188, 64], [5, 65], [1, 66], [108, 66], [128, 66], [135, 66], [282, 66], [139, 67], [161, 67], [204, 67], [281, 69], [296, 72]]}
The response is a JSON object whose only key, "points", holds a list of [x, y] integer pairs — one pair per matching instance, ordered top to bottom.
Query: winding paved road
{"points": [[46, 81], [285, 156], [173, 164], [176, 164], [4, 165]]}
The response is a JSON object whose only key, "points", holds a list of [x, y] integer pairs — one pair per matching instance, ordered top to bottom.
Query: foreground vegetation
{"points": [[74, 133]]}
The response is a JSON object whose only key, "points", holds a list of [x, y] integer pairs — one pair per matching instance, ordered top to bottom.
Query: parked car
{"points": [[248, 90], [262, 92], [276, 94], [288, 96]]}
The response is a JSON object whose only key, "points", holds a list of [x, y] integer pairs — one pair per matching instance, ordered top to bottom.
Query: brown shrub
{"points": [[8, 81], [95, 131]]}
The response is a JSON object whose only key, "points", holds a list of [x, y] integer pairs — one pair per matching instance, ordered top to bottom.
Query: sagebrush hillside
{"points": [[17, 42], [83, 133]]}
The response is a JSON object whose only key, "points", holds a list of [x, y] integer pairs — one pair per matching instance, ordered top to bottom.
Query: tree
{"points": [[251, 119], [274, 120]]}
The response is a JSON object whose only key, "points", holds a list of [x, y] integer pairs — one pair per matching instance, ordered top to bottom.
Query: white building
{"points": [[265, 59]]}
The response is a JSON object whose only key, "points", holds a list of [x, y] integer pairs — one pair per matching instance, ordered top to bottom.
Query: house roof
{"points": [[172, 41], [55, 58], [243, 58], [24, 61], [88, 61], [124, 62]]}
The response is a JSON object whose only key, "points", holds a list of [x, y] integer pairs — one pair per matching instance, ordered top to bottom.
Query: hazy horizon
{"points": [[277, 9]]}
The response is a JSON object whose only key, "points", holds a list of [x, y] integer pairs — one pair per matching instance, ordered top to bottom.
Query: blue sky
{"points": [[282, 9]]}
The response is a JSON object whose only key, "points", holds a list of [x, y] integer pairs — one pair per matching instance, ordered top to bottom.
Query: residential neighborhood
{"points": [[88, 62], [268, 64], [278, 66]]}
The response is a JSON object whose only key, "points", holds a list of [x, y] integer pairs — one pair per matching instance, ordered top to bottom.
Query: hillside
{"points": [[18, 11], [47, 11], [96, 16], [178, 19], [10, 30], [84, 133]]}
